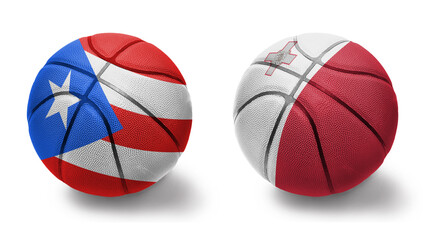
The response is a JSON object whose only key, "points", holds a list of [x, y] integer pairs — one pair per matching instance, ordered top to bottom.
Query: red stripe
{"points": [[134, 55], [142, 132], [91, 182]]}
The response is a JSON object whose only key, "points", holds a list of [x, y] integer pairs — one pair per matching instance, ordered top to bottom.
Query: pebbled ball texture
{"points": [[109, 114], [315, 114]]}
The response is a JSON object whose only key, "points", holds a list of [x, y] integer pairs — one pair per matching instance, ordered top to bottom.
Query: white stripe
{"points": [[163, 99], [136, 164]]}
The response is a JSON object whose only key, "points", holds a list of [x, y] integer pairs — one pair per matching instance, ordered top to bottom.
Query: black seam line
{"points": [[91, 45], [123, 48], [319, 61], [356, 73], [262, 94], [50, 97], [288, 100], [350, 109], [149, 113], [275, 126], [65, 138], [112, 142], [269, 143], [319, 146]]}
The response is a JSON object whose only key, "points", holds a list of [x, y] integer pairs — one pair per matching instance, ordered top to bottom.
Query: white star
{"points": [[61, 106]]}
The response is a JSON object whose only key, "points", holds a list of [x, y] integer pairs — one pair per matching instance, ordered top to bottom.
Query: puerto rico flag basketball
{"points": [[109, 114]]}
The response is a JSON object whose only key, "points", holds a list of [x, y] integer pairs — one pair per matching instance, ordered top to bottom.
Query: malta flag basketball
{"points": [[109, 114], [315, 114]]}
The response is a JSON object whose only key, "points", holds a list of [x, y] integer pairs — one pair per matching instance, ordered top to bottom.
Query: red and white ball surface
{"points": [[109, 114], [315, 114]]}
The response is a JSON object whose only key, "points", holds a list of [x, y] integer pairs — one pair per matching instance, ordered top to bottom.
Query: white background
{"points": [[213, 192]]}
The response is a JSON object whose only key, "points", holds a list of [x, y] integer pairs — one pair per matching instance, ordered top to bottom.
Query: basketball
{"points": [[109, 114], [315, 114]]}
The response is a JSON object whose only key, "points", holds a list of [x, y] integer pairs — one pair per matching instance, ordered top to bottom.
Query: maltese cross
{"points": [[283, 56]]}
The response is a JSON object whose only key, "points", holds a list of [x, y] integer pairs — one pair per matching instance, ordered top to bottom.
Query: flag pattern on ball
{"points": [[109, 114], [320, 123]]}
